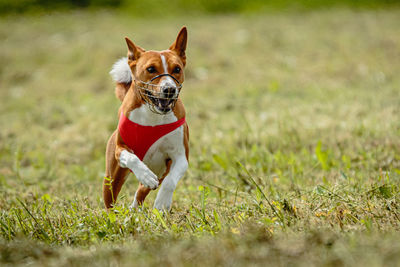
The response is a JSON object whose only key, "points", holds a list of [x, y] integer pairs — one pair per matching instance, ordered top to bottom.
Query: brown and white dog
{"points": [[148, 84]]}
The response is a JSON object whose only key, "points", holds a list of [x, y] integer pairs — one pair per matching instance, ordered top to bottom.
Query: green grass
{"points": [[295, 141]]}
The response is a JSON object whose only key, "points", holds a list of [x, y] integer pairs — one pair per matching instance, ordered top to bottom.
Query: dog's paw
{"points": [[141, 171], [147, 177], [163, 201], [163, 206]]}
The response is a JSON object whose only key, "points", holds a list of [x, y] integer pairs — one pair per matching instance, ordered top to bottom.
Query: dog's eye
{"points": [[151, 69], [176, 70]]}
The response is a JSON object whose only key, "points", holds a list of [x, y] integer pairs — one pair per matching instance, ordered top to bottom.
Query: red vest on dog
{"points": [[139, 138]]}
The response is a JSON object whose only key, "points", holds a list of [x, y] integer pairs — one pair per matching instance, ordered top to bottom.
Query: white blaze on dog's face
{"points": [[147, 65]]}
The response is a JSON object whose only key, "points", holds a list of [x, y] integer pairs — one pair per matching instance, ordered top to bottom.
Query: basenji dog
{"points": [[152, 135]]}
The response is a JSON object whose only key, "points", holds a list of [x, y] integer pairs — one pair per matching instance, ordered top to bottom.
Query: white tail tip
{"points": [[121, 72]]}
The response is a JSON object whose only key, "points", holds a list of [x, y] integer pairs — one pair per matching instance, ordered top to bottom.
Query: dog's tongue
{"points": [[164, 105]]}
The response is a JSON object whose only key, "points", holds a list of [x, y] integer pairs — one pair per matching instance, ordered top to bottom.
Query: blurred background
{"points": [[174, 7], [303, 94]]}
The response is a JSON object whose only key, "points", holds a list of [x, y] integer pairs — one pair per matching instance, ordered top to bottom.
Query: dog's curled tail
{"points": [[121, 74]]}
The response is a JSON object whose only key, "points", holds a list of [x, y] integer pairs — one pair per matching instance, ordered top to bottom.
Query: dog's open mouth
{"points": [[162, 104]]}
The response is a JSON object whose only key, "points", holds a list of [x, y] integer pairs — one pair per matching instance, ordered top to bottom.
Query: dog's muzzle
{"points": [[160, 101]]}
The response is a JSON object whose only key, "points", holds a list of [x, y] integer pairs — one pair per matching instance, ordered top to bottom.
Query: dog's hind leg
{"points": [[115, 174], [140, 195]]}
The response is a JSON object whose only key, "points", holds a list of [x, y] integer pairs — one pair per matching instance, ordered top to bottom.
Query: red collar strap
{"points": [[140, 138]]}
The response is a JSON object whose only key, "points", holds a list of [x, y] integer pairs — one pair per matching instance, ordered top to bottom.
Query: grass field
{"points": [[295, 141]]}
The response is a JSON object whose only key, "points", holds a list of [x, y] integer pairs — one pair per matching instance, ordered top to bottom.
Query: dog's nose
{"points": [[169, 91]]}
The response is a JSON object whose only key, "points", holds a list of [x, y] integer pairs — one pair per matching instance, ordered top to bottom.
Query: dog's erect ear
{"points": [[179, 46], [134, 51]]}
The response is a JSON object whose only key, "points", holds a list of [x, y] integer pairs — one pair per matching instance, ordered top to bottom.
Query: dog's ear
{"points": [[179, 46], [134, 51]]}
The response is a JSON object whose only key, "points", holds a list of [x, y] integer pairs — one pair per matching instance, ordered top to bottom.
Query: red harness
{"points": [[139, 138]]}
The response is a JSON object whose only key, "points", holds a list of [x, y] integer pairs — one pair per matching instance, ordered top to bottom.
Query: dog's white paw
{"points": [[141, 171], [147, 178], [163, 200], [163, 206]]}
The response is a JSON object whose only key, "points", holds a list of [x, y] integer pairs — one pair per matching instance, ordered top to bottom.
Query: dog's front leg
{"points": [[141, 171], [164, 197]]}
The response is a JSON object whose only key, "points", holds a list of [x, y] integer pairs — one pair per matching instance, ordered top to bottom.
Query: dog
{"points": [[152, 138]]}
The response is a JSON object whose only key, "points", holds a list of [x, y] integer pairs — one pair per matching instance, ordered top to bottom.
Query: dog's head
{"points": [[158, 75]]}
